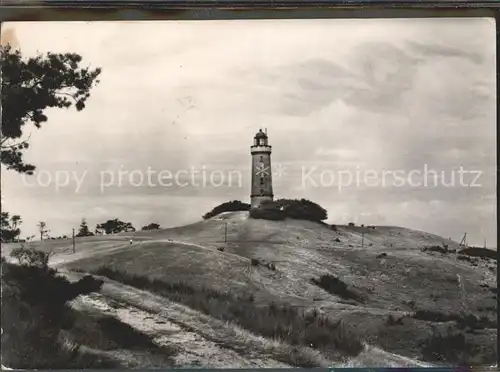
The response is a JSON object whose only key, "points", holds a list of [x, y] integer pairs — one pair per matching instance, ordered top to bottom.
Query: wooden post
{"points": [[73, 240], [463, 242]]}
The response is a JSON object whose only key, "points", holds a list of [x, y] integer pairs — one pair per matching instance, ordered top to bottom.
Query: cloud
{"points": [[336, 94]]}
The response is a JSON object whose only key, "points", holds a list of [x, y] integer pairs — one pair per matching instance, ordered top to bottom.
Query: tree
{"points": [[29, 87], [115, 226], [151, 226], [9, 227], [42, 228], [84, 229]]}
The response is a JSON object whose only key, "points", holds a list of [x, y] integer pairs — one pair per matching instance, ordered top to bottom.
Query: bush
{"points": [[231, 206], [302, 209], [267, 213], [351, 224], [151, 226], [435, 248], [31, 257], [462, 257], [254, 262], [337, 287], [35, 311], [391, 320], [463, 320], [275, 321], [454, 347]]}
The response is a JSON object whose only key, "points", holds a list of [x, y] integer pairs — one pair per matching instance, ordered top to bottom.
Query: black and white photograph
{"points": [[249, 193]]}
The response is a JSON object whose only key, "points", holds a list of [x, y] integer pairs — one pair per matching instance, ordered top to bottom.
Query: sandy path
{"points": [[192, 349]]}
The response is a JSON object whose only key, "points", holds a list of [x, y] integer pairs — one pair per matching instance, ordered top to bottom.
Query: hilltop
{"points": [[397, 289]]}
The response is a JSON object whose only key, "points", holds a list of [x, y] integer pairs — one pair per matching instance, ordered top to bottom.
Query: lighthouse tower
{"points": [[262, 183]]}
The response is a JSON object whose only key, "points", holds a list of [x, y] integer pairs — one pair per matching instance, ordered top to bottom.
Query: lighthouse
{"points": [[262, 183]]}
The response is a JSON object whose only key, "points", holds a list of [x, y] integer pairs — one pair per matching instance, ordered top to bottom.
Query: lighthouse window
{"points": [[262, 181]]}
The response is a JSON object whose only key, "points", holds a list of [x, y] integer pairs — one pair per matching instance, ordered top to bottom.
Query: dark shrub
{"points": [[231, 206], [302, 209], [267, 213], [351, 224], [151, 226], [337, 240], [435, 248], [221, 249], [381, 255], [462, 257], [254, 262], [337, 287], [34, 312], [392, 320], [463, 320], [453, 347]]}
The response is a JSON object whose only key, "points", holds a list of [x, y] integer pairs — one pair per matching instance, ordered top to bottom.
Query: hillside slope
{"points": [[385, 271]]}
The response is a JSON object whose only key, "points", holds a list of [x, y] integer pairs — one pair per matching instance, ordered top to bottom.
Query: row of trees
{"points": [[113, 226], [10, 230]]}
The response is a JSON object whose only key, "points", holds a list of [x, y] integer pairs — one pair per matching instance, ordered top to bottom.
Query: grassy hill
{"points": [[386, 284]]}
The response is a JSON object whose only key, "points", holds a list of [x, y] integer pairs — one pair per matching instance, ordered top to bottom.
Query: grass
{"points": [[483, 253], [406, 280], [463, 320], [274, 321], [107, 333], [455, 347]]}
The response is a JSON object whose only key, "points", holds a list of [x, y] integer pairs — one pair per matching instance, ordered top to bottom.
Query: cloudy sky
{"points": [[340, 99]]}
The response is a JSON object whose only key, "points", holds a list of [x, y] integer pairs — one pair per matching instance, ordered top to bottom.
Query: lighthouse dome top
{"points": [[260, 134]]}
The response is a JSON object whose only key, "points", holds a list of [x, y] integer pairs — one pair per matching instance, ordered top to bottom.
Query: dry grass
{"points": [[406, 279], [272, 321]]}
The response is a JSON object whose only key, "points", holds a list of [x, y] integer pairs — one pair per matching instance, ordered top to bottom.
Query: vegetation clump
{"points": [[230, 206], [281, 209], [151, 226], [436, 248], [337, 287], [35, 312], [463, 321], [454, 347]]}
